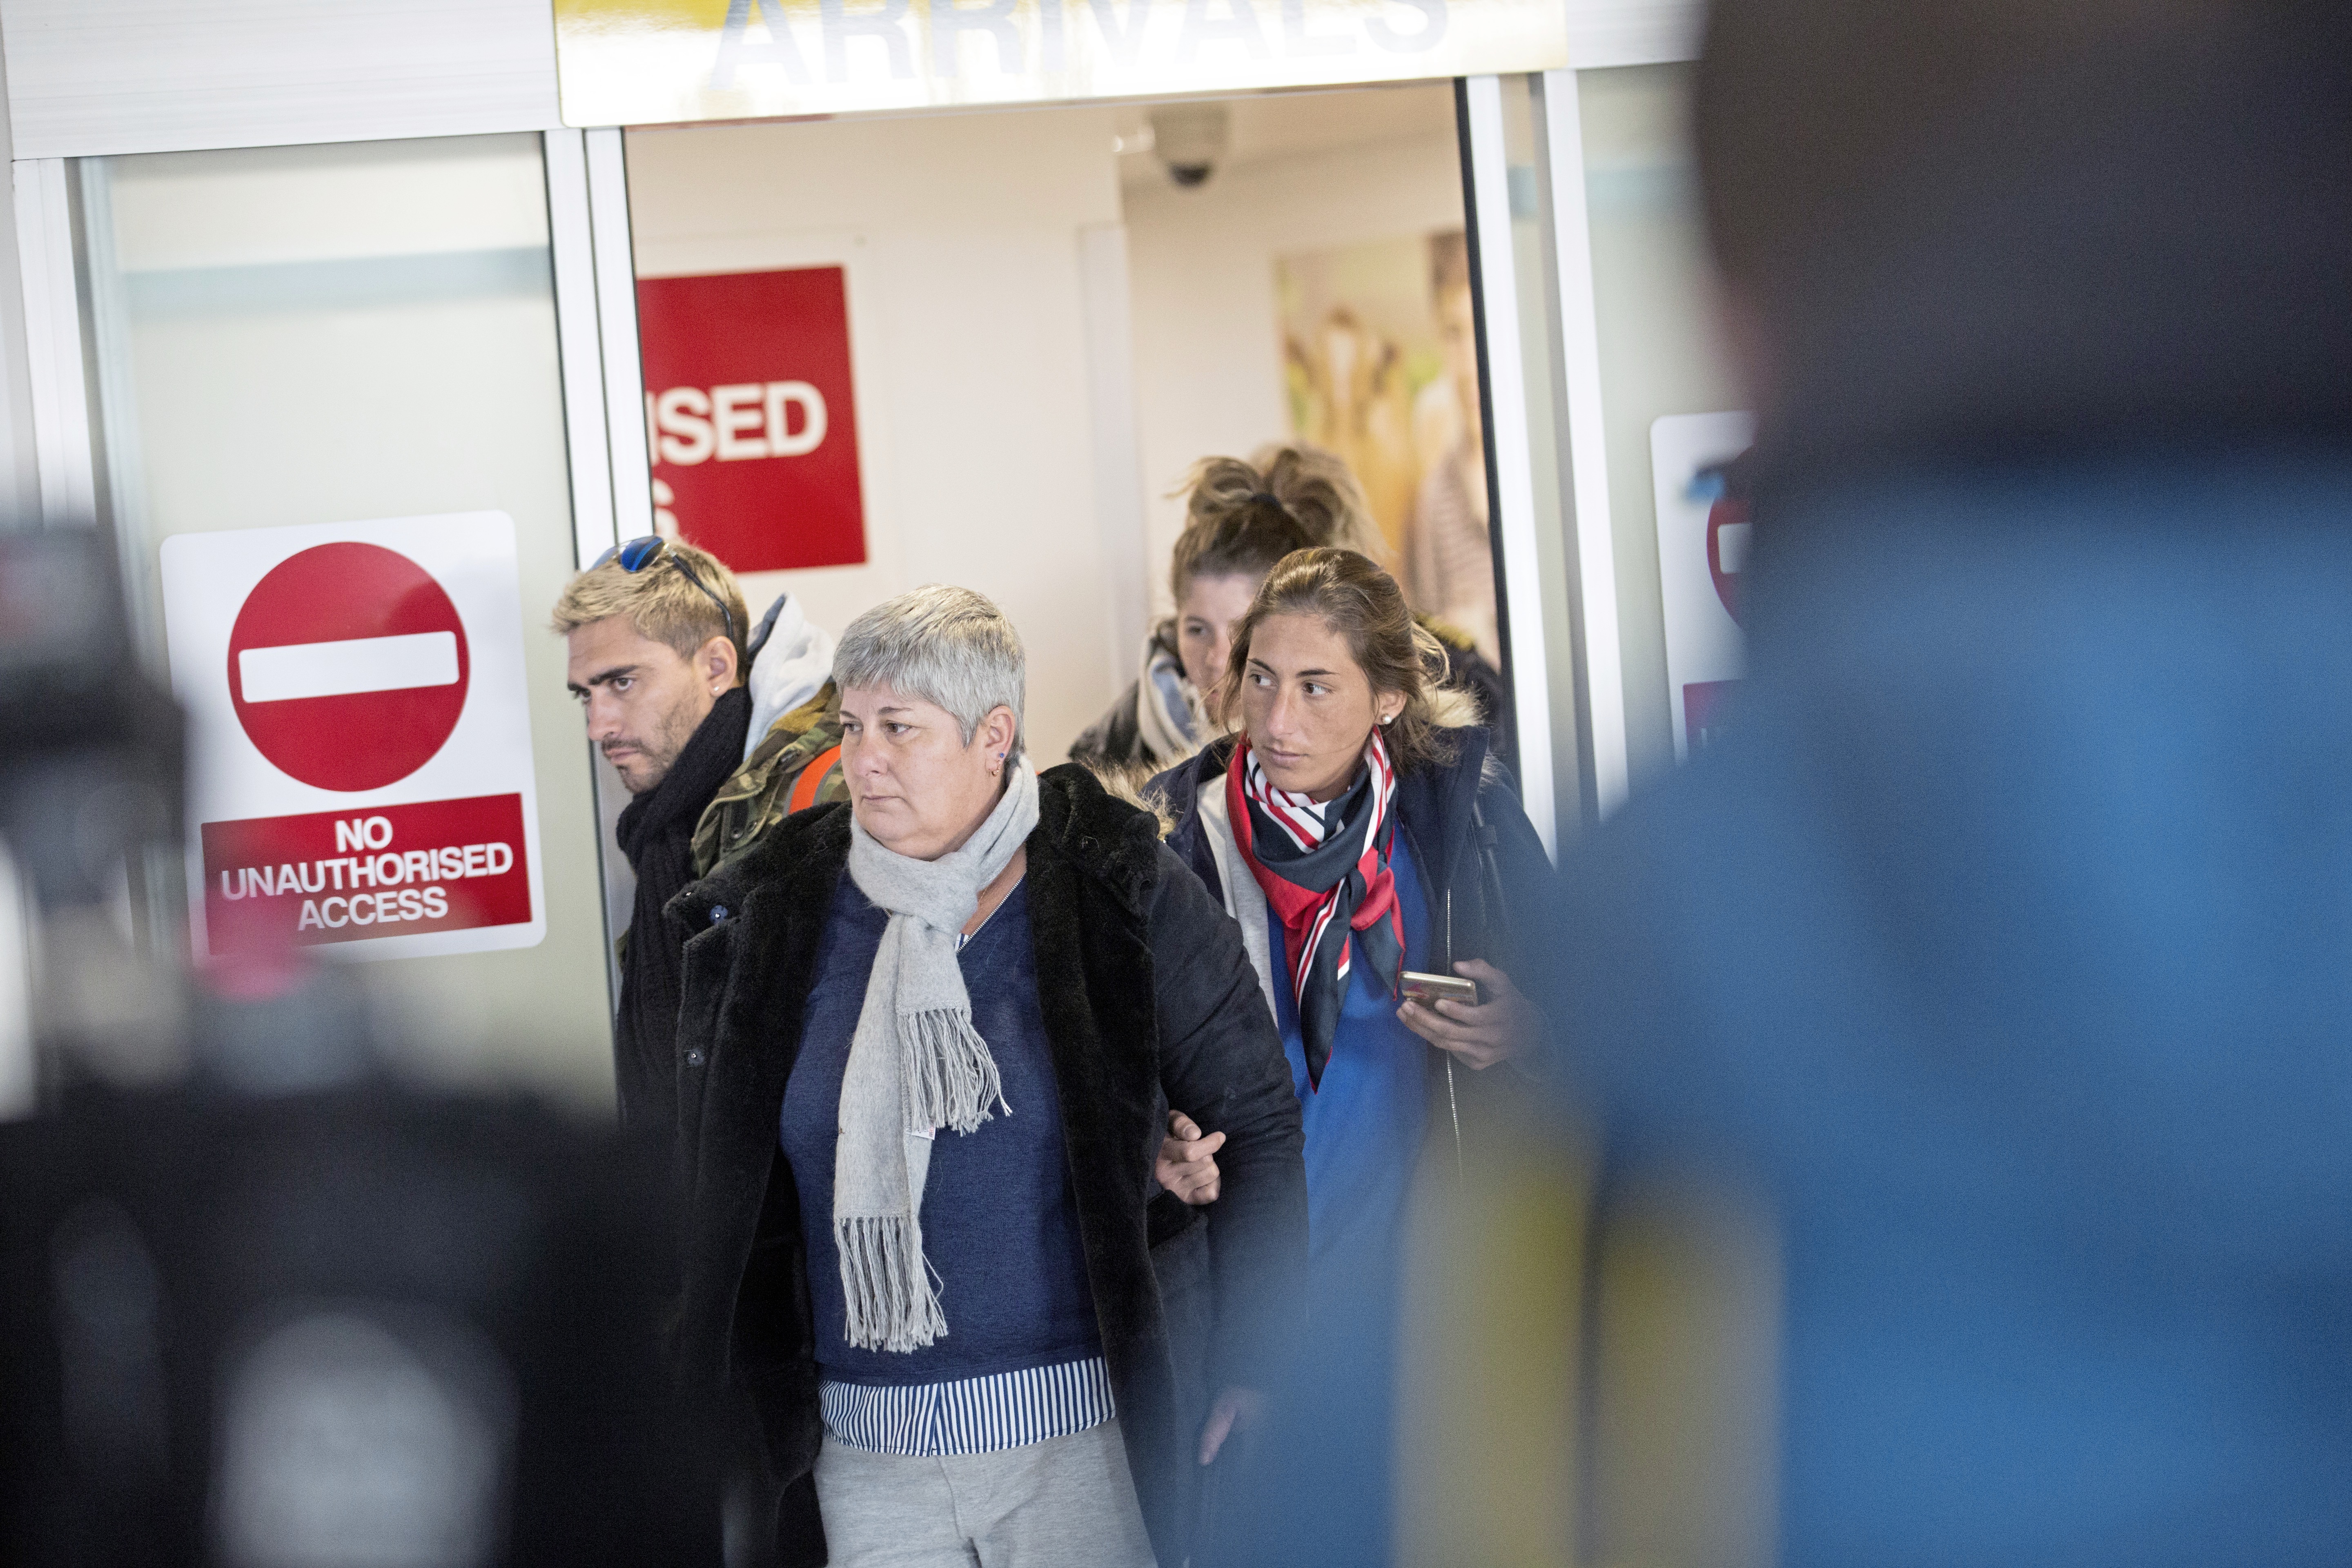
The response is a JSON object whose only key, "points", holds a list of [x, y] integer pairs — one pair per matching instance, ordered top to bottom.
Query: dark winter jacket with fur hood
{"points": [[1490, 882], [1148, 1001]]}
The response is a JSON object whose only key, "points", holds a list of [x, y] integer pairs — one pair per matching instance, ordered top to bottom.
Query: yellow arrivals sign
{"points": [[646, 62]]}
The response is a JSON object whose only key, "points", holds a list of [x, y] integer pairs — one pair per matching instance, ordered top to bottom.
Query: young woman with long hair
{"points": [[1356, 829]]}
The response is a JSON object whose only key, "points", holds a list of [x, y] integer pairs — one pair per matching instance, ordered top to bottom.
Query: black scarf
{"points": [[656, 833]]}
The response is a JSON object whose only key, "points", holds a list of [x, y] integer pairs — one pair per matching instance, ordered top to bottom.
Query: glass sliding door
{"points": [[336, 335]]}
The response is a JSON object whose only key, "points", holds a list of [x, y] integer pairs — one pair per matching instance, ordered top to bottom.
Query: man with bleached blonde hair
{"points": [[658, 654]]}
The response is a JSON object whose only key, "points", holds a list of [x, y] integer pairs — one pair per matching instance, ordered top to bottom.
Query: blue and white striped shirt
{"points": [[971, 1415]]}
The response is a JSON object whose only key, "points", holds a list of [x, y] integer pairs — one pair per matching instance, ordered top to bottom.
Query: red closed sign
{"points": [[750, 416]]}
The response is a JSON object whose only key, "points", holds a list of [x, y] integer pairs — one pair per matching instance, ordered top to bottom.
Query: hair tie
{"points": [[1269, 498]]}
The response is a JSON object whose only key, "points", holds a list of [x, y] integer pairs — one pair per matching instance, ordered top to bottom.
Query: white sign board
{"points": [[1703, 536], [359, 769]]}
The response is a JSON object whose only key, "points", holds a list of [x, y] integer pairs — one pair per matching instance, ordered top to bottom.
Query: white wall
{"points": [[180, 74], [968, 340], [1208, 341]]}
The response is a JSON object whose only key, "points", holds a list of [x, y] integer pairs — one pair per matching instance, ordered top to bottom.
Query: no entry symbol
{"points": [[348, 666]]}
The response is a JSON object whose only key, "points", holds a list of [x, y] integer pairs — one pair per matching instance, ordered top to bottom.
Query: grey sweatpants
{"points": [[1068, 1503]]}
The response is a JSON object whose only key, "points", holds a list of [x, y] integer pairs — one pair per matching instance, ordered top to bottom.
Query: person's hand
{"points": [[1495, 1030], [1187, 1165], [1235, 1407]]}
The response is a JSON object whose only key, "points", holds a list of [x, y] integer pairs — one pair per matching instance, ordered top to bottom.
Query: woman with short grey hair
{"points": [[928, 1045]]}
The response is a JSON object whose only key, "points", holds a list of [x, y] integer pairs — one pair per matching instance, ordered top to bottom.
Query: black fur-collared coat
{"points": [[1487, 879], [1149, 1001]]}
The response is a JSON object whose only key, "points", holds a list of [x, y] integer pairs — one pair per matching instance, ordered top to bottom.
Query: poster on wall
{"points": [[1381, 358], [750, 417], [1703, 536], [359, 761]]}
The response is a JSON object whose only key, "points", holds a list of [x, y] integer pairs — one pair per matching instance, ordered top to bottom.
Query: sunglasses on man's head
{"points": [[634, 555]]}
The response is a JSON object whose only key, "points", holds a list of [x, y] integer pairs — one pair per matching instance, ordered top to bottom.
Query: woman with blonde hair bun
{"points": [[1240, 519]]}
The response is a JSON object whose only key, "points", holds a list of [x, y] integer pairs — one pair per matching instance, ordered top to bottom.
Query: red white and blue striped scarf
{"points": [[1325, 870]]}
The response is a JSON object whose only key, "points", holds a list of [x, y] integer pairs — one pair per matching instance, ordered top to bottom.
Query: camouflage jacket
{"points": [[797, 764]]}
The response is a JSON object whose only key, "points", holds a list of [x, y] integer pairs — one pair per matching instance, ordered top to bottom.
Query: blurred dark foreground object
{"points": [[2028, 227], [93, 762], [90, 794], [2004, 941], [262, 1306], [363, 1326]]}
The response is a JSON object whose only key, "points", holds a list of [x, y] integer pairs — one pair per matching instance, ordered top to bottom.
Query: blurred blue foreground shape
{"points": [[2006, 946]]}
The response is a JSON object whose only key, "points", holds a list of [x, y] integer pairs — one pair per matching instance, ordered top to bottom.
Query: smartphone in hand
{"points": [[1427, 989]]}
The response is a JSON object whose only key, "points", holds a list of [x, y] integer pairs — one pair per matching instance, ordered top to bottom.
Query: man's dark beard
{"points": [[677, 728]]}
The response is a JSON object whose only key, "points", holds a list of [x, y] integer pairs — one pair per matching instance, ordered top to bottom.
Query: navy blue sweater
{"points": [[999, 1223]]}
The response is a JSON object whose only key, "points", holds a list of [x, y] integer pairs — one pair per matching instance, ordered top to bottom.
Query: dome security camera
{"points": [[1188, 139]]}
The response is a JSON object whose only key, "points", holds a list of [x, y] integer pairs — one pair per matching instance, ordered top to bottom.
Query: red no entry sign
{"points": [[348, 666], [360, 773]]}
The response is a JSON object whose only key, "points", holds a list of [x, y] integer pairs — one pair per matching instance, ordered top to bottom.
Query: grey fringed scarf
{"points": [[916, 1065]]}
